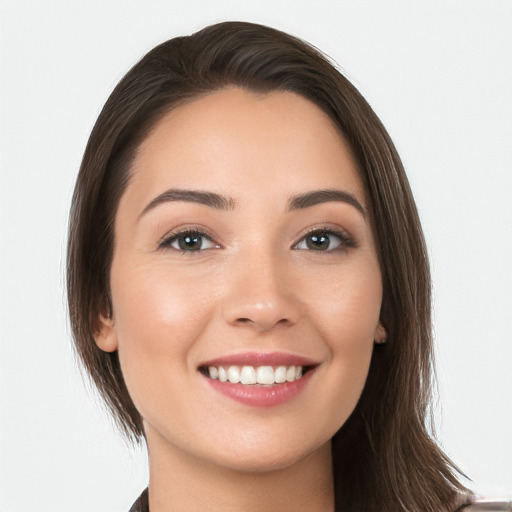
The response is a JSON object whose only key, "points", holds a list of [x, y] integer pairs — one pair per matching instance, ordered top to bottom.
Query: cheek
{"points": [[151, 301], [348, 309], [158, 316], [347, 324]]}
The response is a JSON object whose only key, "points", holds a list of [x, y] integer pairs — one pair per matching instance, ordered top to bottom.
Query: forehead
{"points": [[235, 140]]}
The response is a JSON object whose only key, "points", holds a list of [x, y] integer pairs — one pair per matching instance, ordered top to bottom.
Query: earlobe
{"points": [[105, 334], [380, 336]]}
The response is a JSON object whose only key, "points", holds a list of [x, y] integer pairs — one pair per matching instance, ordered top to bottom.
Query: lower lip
{"points": [[261, 396]]}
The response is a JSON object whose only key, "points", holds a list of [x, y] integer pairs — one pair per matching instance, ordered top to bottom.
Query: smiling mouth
{"points": [[256, 375]]}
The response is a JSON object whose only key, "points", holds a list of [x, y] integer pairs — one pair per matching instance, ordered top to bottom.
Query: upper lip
{"points": [[260, 359]]}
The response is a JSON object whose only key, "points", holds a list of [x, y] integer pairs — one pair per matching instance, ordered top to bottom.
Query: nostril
{"points": [[261, 323]]}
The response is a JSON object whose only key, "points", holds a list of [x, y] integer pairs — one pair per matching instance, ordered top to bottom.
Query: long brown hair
{"points": [[385, 457]]}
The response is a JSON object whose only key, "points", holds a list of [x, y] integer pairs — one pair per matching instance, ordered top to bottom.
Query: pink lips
{"points": [[260, 359], [260, 395]]}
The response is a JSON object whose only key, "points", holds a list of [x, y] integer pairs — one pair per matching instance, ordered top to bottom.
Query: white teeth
{"points": [[234, 374], [280, 374], [248, 375], [265, 375], [223, 376]]}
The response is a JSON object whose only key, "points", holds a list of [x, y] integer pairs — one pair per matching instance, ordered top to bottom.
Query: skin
{"points": [[255, 285]]}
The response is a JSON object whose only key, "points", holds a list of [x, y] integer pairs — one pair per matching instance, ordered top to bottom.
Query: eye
{"points": [[325, 240], [188, 241]]}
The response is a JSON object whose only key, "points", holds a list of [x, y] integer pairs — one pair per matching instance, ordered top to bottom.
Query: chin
{"points": [[264, 454], [263, 462]]}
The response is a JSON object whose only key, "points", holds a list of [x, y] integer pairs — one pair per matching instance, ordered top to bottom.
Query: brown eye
{"points": [[189, 241], [324, 241], [319, 242]]}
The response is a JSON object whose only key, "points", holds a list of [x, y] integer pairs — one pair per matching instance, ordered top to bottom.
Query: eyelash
{"points": [[167, 241], [346, 241]]}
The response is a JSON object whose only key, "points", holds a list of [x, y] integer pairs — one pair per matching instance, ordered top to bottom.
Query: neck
{"points": [[180, 482]]}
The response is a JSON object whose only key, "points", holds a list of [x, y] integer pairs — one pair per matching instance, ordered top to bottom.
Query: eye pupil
{"points": [[190, 242], [318, 242]]}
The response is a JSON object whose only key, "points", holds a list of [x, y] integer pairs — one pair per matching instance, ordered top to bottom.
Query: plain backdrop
{"points": [[439, 75]]}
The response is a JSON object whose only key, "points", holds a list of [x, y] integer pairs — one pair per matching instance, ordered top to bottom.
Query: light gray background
{"points": [[438, 73]]}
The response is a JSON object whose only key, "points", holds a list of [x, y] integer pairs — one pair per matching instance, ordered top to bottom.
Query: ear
{"points": [[105, 334], [380, 335]]}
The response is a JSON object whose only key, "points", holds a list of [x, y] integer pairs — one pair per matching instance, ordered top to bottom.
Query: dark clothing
{"points": [[142, 503]]}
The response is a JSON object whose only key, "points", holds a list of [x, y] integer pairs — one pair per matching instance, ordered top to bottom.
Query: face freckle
{"points": [[218, 261]]}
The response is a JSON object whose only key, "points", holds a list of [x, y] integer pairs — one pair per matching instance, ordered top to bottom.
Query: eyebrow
{"points": [[324, 196], [210, 199], [219, 202]]}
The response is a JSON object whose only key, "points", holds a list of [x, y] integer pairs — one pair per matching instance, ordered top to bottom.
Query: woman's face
{"points": [[231, 261]]}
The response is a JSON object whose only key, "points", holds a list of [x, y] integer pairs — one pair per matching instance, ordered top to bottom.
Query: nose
{"points": [[260, 296]]}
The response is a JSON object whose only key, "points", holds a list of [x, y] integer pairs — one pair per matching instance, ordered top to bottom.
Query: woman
{"points": [[249, 287]]}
